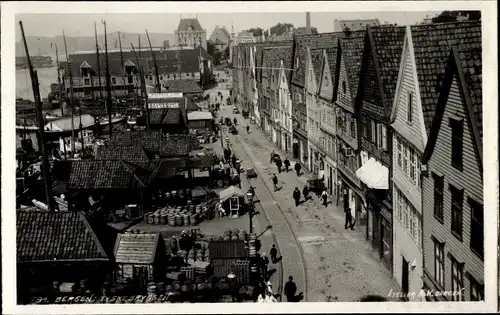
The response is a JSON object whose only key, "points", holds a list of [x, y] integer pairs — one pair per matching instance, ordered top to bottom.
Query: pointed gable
{"points": [[352, 45], [383, 50], [85, 65], [330, 73], [311, 78], [461, 98]]}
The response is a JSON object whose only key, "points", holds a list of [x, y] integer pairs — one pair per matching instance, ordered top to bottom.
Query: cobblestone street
{"points": [[339, 263]]}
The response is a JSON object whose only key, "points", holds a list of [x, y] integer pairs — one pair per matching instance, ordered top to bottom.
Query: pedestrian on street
{"points": [[248, 129], [272, 157], [233, 160], [287, 164], [278, 165], [297, 168], [275, 182], [305, 191], [296, 196], [324, 196], [348, 219], [274, 254], [290, 290]]}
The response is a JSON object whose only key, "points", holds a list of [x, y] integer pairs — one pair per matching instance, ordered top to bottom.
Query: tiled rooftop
{"points": [[432, 44], [388, 47], [352, 53], [471, 62], [118, 152], [51, 236], [136, 248]]}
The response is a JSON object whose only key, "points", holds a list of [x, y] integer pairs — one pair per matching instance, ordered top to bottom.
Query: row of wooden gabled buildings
{"points": [[391, 119]]}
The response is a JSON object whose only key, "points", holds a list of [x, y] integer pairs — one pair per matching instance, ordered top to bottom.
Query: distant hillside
{"points": [[45, 45]]}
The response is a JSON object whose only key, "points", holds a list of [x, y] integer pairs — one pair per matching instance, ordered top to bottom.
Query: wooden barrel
{"points": [[198, 210], [150, 218], [156, 219], [163, 219], [186, 219], [194, 219], [178, 220], [171, 221], [235, 232], [234, 237], [227, 238], [192, 253], [177, 285], [208, 286], [160, 287], [200, 287], [168, 288], [185, 288], [152, 289]]}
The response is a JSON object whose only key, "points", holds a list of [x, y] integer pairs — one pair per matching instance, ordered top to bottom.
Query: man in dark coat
{"points": [[233, 160], [279, 164], [287, 164], [298, 167], [275, 182], [305, 191], [296, 196], [274, 254], [290, 289]]}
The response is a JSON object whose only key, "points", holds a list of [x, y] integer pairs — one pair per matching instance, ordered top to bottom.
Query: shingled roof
{"points": [[184, 25], [301, 42], [387, 44], [432, 44], [352, 55], [273, 57], [174, 61], [317, 62], [185, 86], [165, 116], [150, 139], [134, 152], [102, 174], [56, 236], [131, 248]]}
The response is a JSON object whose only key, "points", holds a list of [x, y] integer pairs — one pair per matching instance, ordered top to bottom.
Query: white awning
{"points": [[321, 174], [374, 174]]}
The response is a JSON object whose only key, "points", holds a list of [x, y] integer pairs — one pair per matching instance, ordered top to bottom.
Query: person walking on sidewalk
{"points": [[248, 129], [272, 157], [233, 160], [287, 164], [278, 165], [297, 168], [275, 182], [305, 191], [296, 196], [324, 196], [349, 224], [274, 254], [265, 263], [290, 290]]}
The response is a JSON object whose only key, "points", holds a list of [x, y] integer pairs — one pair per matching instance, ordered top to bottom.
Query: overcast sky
{"points": [[50, 25]]}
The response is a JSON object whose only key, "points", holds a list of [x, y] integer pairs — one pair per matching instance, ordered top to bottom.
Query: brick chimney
{"points": [[308, 22]]}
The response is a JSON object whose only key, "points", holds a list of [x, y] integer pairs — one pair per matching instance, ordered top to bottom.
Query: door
{"points": [[330, 181], [404, 276]]}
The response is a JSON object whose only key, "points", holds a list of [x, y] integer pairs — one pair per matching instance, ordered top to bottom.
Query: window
{"points": [[113, 80], [86, 81], [343, 87], [409, 108], [353, 128], [373, 131], [457, 131], [382, 137], [400, 152], [405, 157], [413, 164], [457, 196], [438, 197], [476, 228], [439, 262], [457, 280], [476, 290]]}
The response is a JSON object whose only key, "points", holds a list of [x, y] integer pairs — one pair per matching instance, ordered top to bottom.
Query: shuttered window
{"points": [[457, 130], [373, 131], [400, 152], [457, 196], [438, 197], [476, 228], [439, 262], [457, 280], [476, 290]]}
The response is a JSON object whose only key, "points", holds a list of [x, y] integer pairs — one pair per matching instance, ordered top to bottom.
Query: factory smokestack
{"points": [[308, 22]]}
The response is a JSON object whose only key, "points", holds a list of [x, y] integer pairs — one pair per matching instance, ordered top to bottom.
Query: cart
{"points": [[251, 173]]}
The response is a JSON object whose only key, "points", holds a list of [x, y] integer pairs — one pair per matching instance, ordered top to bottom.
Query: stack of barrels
{"points": [[174, 216], [233, 235], [196, 254]]}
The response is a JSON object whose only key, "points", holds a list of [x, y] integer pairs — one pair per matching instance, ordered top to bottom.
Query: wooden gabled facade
{"points": [[425, 55], [351, 56], [313, 67], [379, 71], [326, 98], [453, 233]]}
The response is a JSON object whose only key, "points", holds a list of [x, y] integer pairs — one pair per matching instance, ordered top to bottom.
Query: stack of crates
{"points": [[242, 271]]}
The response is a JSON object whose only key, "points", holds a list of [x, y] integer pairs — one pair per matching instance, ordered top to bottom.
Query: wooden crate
{"points": [[242, 271], [188, 272]]}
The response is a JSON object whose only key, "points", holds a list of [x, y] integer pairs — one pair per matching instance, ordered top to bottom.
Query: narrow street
{"points": [[338, 263]]}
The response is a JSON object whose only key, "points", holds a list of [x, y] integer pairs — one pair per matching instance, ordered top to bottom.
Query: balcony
{"points": [[348, 172]]}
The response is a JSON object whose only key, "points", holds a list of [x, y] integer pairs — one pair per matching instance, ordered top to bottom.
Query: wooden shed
{"points": [[140, 258]]}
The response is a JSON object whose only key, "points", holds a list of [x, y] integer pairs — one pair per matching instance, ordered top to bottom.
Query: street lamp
{"points": [[251, 209]]}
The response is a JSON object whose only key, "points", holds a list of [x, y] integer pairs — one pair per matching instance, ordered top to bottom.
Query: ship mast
{"points": [[121, 59], [98, 64], [140, 67], [69, 68], [108, 80], [59, 81], [158, 83], [143, 87], [38, 106]]}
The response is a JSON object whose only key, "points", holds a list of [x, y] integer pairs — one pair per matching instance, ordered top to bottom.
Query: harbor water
{"points": [[46, 76]]}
